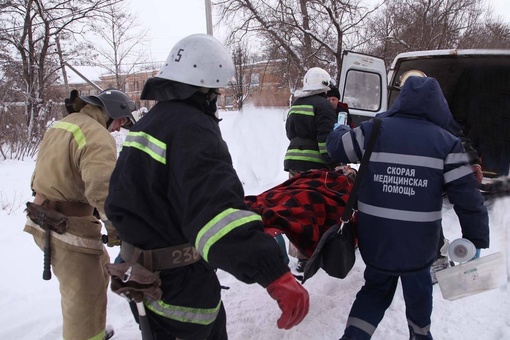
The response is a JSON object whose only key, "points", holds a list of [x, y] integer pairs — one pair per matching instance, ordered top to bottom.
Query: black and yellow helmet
{"points": [[116, 104]]}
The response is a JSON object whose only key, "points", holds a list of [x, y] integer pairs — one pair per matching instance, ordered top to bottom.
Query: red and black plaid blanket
{"points": [[303, 207]]}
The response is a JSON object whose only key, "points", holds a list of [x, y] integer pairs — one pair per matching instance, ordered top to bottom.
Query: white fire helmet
{"points": [[199, 60], [316, 79]]}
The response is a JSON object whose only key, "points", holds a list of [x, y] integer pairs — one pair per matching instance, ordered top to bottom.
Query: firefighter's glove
{"points": [[477, 171], [111, 239], [292, 299]]}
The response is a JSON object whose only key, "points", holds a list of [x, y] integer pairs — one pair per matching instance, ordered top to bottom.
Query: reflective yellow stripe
{"points": [[306, 110], [78, 135], [148, 144], [322, 148], [304, 155], [221, 225], [69, 238], [201, 316], [100, 336]]}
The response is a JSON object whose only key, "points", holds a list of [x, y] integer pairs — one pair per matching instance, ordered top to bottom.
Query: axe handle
{"points": [[47, 255], [145, 326]]}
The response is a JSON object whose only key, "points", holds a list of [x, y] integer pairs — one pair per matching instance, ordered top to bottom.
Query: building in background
{"points": [[262, 86]]}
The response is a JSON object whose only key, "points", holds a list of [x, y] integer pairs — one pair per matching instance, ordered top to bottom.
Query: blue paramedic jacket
{"points": [[415, 160]]}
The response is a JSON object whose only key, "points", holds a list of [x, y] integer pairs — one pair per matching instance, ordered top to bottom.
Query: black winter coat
{"points": [[309, 122], [174, 183]]}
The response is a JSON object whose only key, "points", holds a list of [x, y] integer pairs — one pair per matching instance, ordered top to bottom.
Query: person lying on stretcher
{"points": [[303, 207]]}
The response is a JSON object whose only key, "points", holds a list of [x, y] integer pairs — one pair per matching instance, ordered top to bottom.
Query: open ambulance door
{"points": [[363, 85]]}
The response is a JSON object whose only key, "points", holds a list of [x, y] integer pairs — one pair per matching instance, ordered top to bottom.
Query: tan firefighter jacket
{"points": [[74, 164]]}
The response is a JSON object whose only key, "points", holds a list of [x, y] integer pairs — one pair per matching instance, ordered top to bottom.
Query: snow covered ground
{"points": [[30, 307]]}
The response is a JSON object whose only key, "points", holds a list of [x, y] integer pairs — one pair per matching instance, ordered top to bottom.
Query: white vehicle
{"points": [[476, 84]]}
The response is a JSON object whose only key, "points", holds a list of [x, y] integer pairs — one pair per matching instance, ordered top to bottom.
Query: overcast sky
{"points": [[169, 21]]}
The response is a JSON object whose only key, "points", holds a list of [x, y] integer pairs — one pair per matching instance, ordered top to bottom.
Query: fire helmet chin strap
{"points": [[109, 122]]}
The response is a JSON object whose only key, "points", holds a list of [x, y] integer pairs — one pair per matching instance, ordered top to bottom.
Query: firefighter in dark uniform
{"points": [[309, 122], [174, 191]]}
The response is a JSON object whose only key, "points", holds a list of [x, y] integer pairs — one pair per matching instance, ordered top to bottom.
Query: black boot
{"points": [[109, 332]]}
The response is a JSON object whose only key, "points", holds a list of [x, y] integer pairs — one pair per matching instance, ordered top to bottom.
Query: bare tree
{"points": [[401, 26], [28, 29], [306, 33], [490, 34], [121, 44], [243, 63], [12, 122]]}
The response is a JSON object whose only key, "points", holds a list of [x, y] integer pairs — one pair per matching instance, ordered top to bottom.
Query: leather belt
{"points": [[78, 209], [162, 258]]}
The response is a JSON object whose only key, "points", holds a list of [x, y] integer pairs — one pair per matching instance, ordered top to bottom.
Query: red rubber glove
{"points": [[292, 299]]}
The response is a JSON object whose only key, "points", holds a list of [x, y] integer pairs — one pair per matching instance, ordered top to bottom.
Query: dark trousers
{"points": [[441, 243], [376, 296], [165, 329]]}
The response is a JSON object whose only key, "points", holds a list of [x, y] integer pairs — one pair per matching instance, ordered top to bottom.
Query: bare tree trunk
{"points": [[2, 152]]}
